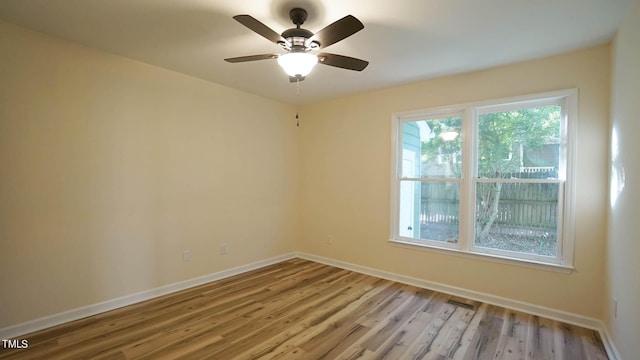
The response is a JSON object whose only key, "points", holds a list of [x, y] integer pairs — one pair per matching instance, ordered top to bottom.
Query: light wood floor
{"points": [[299, 309]]}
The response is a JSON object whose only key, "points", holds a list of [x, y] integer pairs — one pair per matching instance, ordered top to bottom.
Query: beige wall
{"points": [[110, 168], [345, 180], [624, 228]]}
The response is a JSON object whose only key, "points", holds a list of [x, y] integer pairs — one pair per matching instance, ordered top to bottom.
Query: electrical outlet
{"points": [[223, 248], [186, 256], [614, 307]]}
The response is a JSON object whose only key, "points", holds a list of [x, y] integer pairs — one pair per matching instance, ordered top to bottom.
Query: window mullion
{"points": [[467, 197]]}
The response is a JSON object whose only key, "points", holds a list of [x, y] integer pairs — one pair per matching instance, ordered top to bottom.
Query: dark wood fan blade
{"points": [[260, 28], [337, 31], [251, 58], [341, 61]]}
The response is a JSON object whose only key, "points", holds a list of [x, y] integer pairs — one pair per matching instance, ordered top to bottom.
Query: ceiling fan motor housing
{"points": [[297, 37]]}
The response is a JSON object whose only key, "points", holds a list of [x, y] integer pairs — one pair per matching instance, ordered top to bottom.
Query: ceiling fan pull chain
{"points": [[297, 102]]}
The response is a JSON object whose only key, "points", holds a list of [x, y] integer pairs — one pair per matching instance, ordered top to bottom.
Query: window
{"points": [[492, 178]]}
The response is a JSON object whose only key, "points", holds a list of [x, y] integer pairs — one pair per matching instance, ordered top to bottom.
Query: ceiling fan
{"points": [[301, 44]]}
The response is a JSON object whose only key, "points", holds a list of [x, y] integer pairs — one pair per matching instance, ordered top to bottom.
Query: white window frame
{"points": [[568, 99]]}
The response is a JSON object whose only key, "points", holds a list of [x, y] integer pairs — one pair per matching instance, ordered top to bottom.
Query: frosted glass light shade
{"points": [[297, 63]]}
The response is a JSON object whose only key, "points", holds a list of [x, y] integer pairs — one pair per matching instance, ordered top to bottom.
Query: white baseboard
{"points": [[79, 313], [567, 317], [609, 345]]}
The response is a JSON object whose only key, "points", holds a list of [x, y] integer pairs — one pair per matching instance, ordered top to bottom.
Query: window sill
{"points": [[484, 257]]}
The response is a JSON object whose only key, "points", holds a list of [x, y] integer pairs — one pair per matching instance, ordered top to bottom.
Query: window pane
{"points": [[521, 144], [432, 148], [429, 210], [520, 217]]}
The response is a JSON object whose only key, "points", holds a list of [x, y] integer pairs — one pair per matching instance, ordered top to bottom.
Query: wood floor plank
{"points": [[378, 291], [298, 309], [282, 318], [329, 318], [391, 322], [469, 334], [513, 337], [337, 339], [540, 339], [568, 341], [451, 342], [399, 343], [484, 344], [592, 344], [423, 345], [291, 354]]}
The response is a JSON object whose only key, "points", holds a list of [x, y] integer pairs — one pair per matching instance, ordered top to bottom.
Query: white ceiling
{"points": [[404, 40]]}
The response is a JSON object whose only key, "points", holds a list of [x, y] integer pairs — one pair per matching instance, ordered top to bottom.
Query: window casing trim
{"points": [[568, 99]]}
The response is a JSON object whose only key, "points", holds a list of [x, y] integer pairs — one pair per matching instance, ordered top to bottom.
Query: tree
{"points": [[502, 136]]}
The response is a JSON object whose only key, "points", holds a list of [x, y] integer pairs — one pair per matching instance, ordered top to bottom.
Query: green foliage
{"points": [[501, 135], [450, 150]]}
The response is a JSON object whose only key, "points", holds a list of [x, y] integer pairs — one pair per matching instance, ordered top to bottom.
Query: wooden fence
{"points": [[524, 208]]}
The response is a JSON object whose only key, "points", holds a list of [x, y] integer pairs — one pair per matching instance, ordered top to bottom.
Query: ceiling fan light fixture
{"points": [[297, 63]]}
